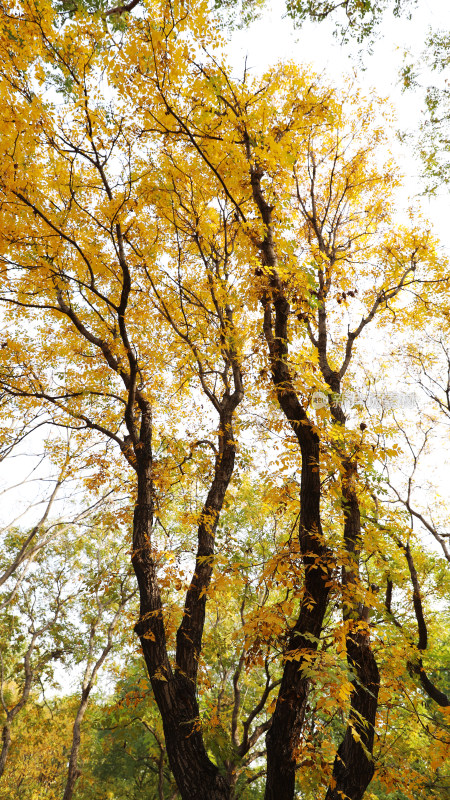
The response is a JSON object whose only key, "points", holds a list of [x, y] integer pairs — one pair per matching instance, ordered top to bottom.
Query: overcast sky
{"points": [[274, 38]]}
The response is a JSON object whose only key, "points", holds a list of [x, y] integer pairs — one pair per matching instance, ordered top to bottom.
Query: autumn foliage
{"points": [[197, 268]]}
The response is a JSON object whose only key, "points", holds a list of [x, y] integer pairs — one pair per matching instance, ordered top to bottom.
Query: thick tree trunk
{"points": [[287, 722], [284, 733], [353, 767], [195, 774], [197, 777]]}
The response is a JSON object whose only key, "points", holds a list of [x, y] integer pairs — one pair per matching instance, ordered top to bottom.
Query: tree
{"points": [[353, 17], [428, 75], [172, 235], [20, 547], [109, 594], [69, 608], [33, 634], [130, 758], [37, 760]]}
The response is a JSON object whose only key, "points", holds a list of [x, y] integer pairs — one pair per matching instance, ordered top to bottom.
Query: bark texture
{"points": [[174, 686], [287, 721], [6, 744], [353, 766], [73, 772]]}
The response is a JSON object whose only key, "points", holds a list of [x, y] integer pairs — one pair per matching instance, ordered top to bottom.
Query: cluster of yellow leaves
{"points": [[38, 757]]}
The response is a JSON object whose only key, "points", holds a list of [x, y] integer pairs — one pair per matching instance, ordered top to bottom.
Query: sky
{"points": [[273, 38]]}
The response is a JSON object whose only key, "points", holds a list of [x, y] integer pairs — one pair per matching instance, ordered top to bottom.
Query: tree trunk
{"points": [[287, 722], [6, 744], [353, 766], [73, 772], [197, 777]]}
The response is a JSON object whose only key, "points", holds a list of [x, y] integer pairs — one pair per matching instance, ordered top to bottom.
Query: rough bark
{"points": [[174, 684], [174, 687], [287, 721], [284, 733], [6, 744], [353, 766]]}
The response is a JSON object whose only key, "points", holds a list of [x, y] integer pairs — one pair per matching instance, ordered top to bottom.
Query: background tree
{"points": [[107, 580], [33, 636]]}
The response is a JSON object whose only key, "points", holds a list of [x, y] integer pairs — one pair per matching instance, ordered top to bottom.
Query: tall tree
{"points": [[171, 235]]}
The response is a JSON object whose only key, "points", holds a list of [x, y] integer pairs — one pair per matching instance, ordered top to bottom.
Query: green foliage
{"points": [[353, 18], [434, 142], [125, 753]]}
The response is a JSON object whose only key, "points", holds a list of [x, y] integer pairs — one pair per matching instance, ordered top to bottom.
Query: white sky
{"points": [[273, 38]]}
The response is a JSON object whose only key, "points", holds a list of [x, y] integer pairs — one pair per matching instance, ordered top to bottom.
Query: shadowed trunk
{"points": [[174, 687], [287, 721], [284, 733], [6, 744], [353, 767]]}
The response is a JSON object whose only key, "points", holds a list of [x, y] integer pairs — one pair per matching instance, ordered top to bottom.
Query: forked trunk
{"points": [[174, 685], [196, 776]]}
